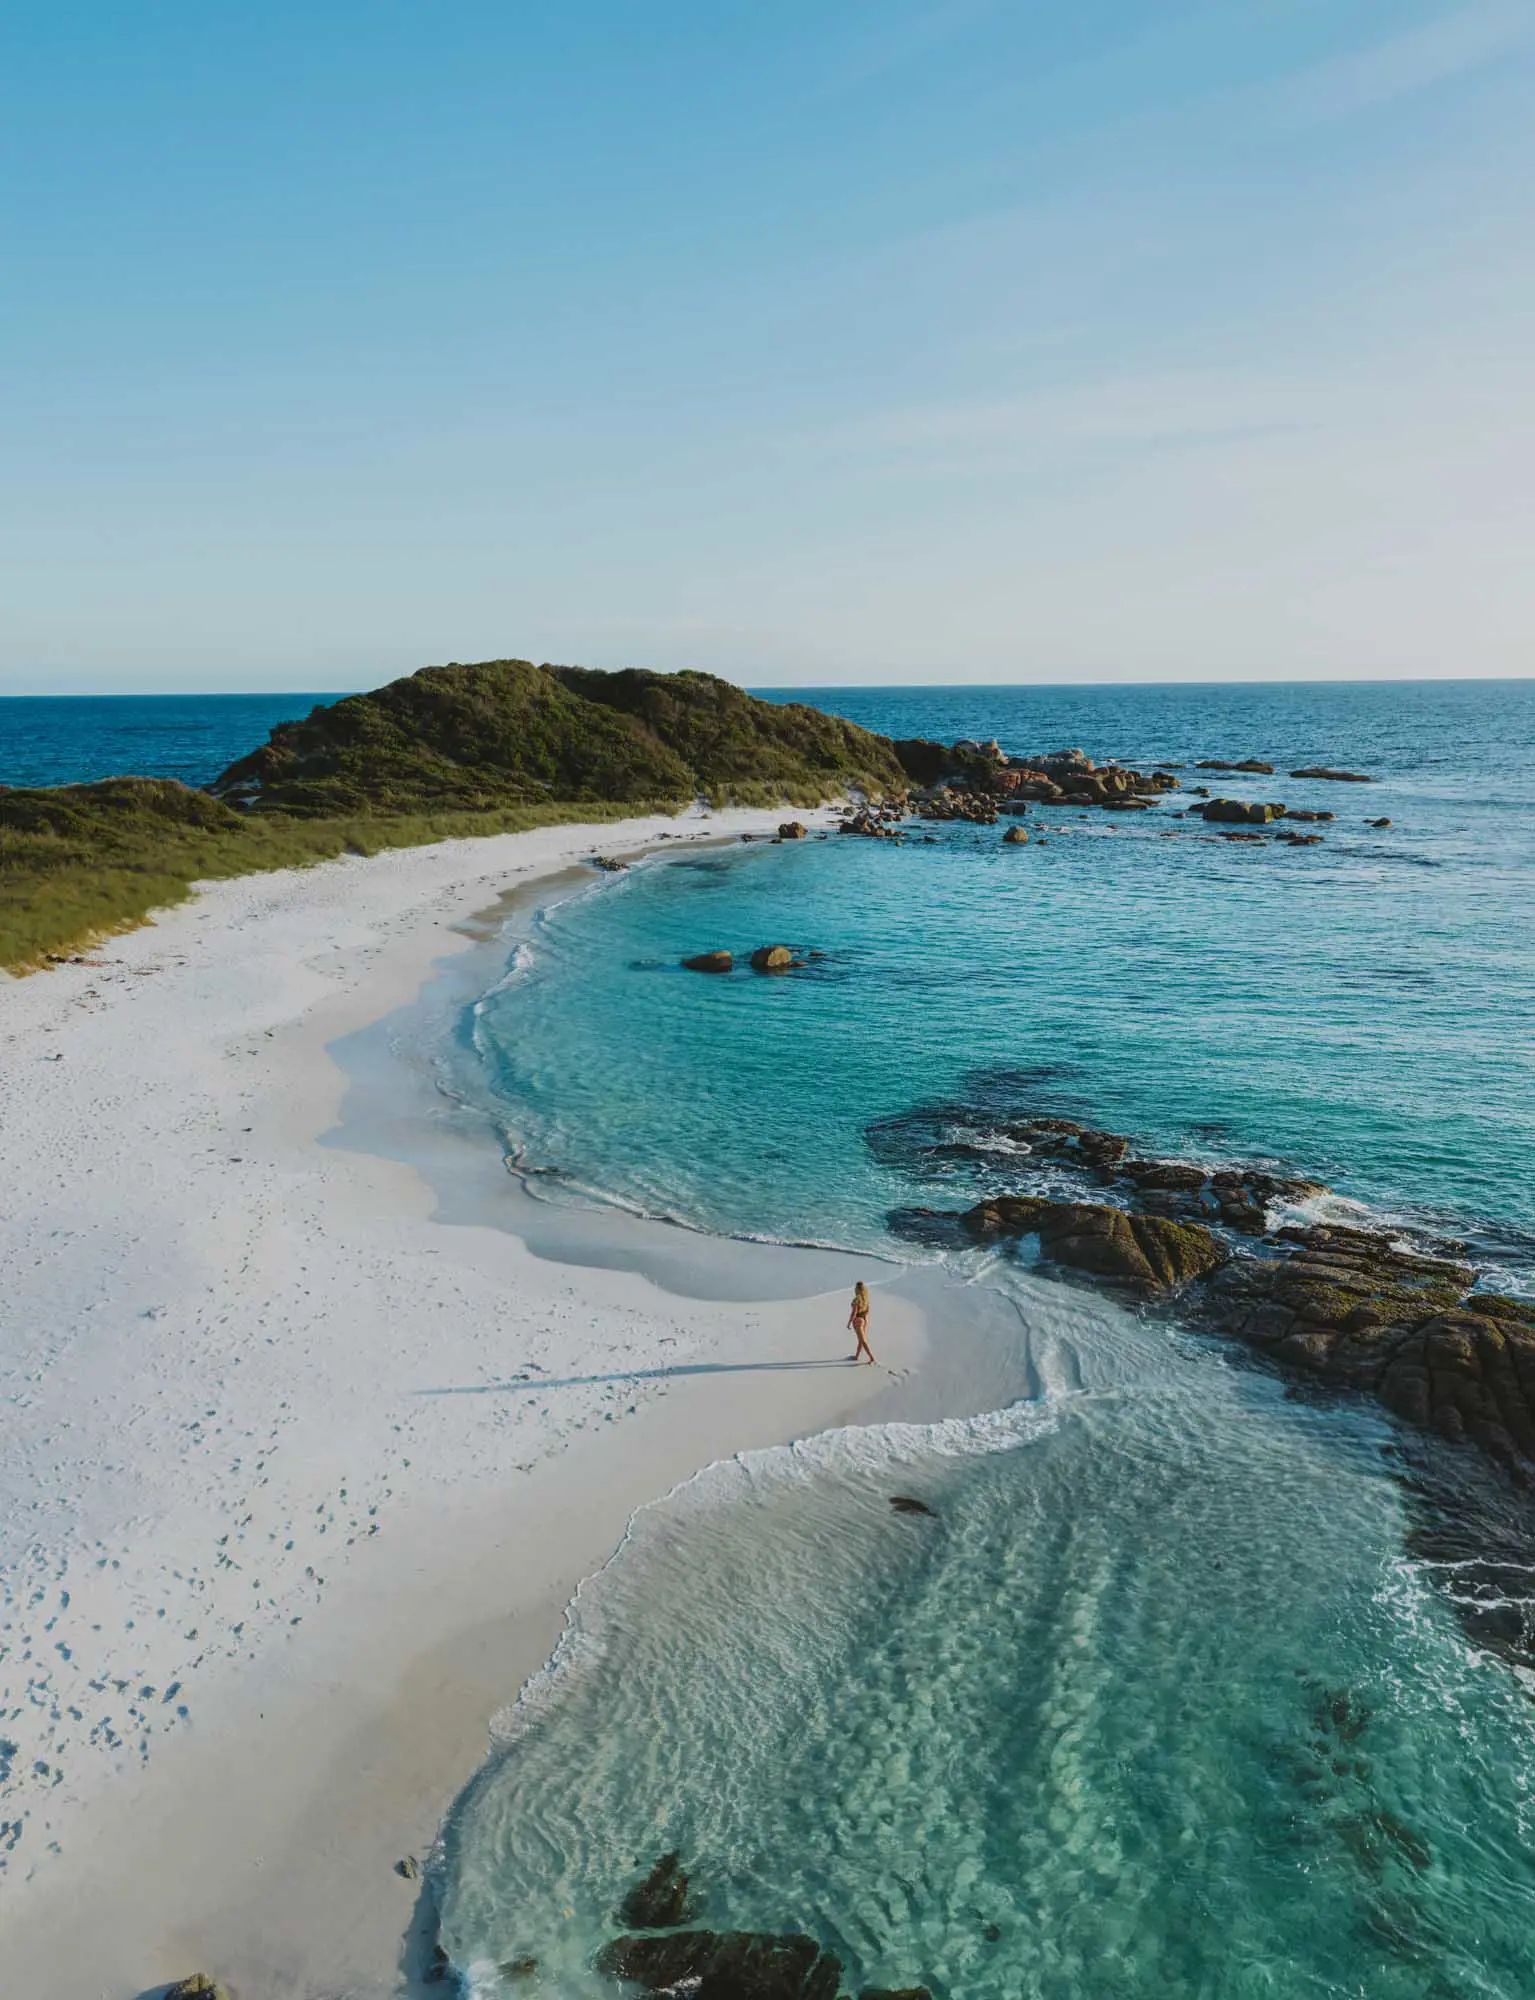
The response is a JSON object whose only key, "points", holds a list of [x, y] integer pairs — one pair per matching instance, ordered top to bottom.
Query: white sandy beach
{"points": [[263, 1586]]}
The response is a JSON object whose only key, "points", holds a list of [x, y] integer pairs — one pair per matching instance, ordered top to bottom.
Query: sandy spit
{"points": [[262, 1583]]}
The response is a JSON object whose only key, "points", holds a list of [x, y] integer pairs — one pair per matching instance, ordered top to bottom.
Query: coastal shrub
{"points": [[468, 738], [84, 861]]}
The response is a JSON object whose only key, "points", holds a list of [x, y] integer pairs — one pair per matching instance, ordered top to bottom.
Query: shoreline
{"points": [[323, 1319]]}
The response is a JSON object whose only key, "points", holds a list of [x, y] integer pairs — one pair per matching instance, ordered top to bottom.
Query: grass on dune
{"points": [[81, 862]]}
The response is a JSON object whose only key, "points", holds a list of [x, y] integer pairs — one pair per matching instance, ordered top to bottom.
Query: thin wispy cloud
{"points": [[909, 40], [1419, 59], [1130, 413]]}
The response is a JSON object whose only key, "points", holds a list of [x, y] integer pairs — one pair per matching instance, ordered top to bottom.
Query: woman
{"points": [[858, 1320]]}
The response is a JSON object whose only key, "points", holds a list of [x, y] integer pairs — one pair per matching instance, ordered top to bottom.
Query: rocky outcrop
{"points": [[1337, 777], [792, 829], [773, 958], [710, 961], [1149, 1254], [1361, 1311], [661, 1901], [724, 1965]]}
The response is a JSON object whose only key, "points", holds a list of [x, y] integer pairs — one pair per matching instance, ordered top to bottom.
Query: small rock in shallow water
{"points": [[772, 958], [709, 961], [904, 1503], [660, 1902], [518, 1968]]}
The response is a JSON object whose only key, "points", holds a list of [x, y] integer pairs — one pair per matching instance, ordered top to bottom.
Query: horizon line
{"points": [[814, 687]]}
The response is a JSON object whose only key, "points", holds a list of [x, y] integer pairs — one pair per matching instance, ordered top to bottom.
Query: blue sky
{"points": [[825, 342]]}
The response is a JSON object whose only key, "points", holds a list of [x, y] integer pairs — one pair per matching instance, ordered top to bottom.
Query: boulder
{"points": [[1255, 764], [1337, 777], [1238, 812], [1380, 822], [792, 829], [1016, 836], [609, 864], [772, 958], [710, 961], [1176, 1175], [1148, 1253], [660, 1902], [724, 1965], [199, 1986]]}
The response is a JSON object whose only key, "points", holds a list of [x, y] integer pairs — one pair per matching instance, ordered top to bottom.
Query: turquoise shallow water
{"points": [[1160, 1704]]}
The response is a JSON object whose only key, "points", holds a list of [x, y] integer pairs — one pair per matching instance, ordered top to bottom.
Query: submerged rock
{"points": [[1254, 764], [1337, 777], [710, 961], [906, 1503], [660, 1902], [725, 1965], [894, 1993]]}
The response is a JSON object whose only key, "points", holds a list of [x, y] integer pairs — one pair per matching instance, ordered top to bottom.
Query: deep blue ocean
{"points": [[76, 739], [1164, 1703]]}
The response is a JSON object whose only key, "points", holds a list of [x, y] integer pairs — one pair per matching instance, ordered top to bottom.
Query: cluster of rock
{"points": [[944, 803], [877, 820], [766, 958], [1357, 1308], [657, 1956]]}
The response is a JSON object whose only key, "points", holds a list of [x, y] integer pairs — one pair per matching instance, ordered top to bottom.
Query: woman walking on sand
{"points": [[858, 1320]]}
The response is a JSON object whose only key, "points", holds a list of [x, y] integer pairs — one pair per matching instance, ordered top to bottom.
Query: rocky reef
{"points": [[1404, 1319], [658, 1956]]}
